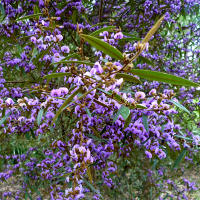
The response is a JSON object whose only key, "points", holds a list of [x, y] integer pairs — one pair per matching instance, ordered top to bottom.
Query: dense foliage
{"points": [[99, 99]]}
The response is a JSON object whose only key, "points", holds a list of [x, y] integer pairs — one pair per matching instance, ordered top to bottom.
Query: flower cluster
{"points": [[69, 113]]}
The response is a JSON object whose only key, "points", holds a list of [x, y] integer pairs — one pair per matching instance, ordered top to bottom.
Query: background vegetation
{"points": [[99, 99]]}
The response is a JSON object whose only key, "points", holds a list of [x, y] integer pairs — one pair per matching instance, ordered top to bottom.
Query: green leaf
{"points": [[36, 9], [2, 10], [3, 14], [74, 16], [29, 17], [100, 24], [107, 28], [153, 30], [131, 35], [130, 39], [103, 46], [19, 50], [34, 53], [42, 54], [73, 55], [146, 60], [74, 61], [56, 75], [127, 77], [163, 77], [105, 92], [70, 98], [100, 103], [141, 106], [180, 106], [123, 111], [88, 112], [39, 117], [4, 118], [128, 121], [145, 122], [32, 133], [182, 137], [97, 138], [179, 158], [155, 162], [89, 174], [92, 188]]}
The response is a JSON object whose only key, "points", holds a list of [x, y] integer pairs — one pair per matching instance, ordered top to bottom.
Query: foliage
{"points": [[79, 117]]}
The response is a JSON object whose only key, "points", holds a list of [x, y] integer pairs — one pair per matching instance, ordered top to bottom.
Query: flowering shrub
{"points": [[78, 117]]}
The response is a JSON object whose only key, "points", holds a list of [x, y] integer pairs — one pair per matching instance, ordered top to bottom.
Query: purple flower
{"points": [[105, 34], [118, 36], [48, 38], [58, 38], [33, 40], [65, 49], [57, 57], [98, 68], [64, 90], [152, 92], [55, 93], [140, 95], [9, 102], [148, 154]]}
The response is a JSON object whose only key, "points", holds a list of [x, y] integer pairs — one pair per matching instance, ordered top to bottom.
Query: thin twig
{"points": [[101, 10], [20, 82]]}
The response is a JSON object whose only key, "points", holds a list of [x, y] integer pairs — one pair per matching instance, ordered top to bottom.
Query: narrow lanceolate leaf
{"points": [[36, 9], [2, 10], [29, 17], [100, 24], [107, 28], [153, 30], [130, 34], [130, 39], [103, 46], [34, 54], [41, 55], [73, 55], [146, 60], [74, 61], [56, 75], [127, 77], [163, 77], [109, 93], [70, 98], [100, 103], [141, 106], [180, 106], [123, 111], [88, 112], [39, 117], [4, 118], [128, 121], [145, 122], [182, 137], [179, 158], [89, 174], [92, 188]]}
